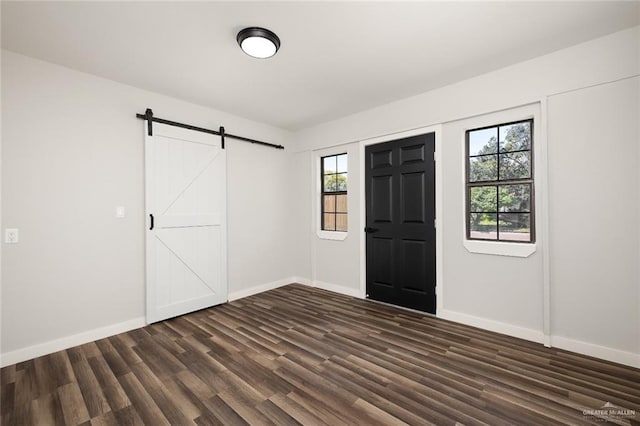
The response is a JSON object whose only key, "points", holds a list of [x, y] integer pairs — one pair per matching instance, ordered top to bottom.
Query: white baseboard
{"points": [[259, 288], [336, 288], [492, 325], [30, 352], [609, 354], [614, 355]]}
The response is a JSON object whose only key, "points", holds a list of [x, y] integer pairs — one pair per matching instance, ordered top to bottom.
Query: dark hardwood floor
{"points": [[301, 355]]}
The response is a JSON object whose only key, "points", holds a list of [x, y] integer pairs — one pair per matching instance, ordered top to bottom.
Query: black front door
{"points": [[400, 226]]}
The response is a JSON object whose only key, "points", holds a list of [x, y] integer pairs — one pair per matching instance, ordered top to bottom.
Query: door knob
{"points": [[370, 230]]}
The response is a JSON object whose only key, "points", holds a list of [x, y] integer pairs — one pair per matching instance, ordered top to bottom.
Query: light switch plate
{"points": [[120, 212], [11, 236]]}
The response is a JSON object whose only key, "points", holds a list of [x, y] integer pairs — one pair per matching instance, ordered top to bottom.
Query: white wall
{"points": [[605, 59], [72, 152], [594, 186], [300, 217], [259, 232], [333, 260], [497, 288], [517, 301]]}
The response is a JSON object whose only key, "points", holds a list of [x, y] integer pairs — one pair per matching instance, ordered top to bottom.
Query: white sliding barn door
{"points": [[186, 196]]}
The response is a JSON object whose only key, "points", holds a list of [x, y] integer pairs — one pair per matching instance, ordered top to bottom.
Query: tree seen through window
{"points": [[500, 183]]}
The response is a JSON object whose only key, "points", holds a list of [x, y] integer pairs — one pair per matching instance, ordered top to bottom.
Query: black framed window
{"points": [[333, 175], [500, 184]]}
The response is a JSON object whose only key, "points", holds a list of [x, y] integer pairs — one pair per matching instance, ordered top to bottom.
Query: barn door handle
{"points": [[151, 227], [370, 230]]}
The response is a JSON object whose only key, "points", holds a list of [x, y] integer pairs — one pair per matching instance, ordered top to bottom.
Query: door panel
{"points": [[409, 154], [381, 159], [381, 187], [413, 193], [186, 194], [400, 219], [382, 251], [413, 265]]}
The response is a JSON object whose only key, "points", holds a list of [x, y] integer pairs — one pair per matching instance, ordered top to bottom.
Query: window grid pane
{"points": [[515, 137], [483, 141], [341, 161], [330, 165], [515, 165], [483, 168], [341, 182], [514, 198], [484, 199], [330, 203], [341, 203], [330, 221], [483, 226], [514, 226]]}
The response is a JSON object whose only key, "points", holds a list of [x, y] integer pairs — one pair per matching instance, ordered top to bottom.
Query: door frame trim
{"points": [[437, 129]]}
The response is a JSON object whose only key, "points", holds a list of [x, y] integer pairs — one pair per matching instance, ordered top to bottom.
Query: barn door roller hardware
{"points": [[148, 115]]}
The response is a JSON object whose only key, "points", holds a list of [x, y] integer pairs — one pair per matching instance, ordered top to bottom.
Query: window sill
{"points": [[332, 235], [500, 249]]}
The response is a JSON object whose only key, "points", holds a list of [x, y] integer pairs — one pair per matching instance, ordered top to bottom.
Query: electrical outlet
{"points": [[120, 212], [11, 236]]}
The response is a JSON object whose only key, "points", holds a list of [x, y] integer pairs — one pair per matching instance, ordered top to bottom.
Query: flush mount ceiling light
{"points": [[258, 42]]}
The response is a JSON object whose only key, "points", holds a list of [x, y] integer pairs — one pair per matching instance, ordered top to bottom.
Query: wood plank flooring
{"points": [[298, 355]]}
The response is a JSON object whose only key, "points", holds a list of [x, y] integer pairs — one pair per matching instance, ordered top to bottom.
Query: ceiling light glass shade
{"points": [[258, 42]]}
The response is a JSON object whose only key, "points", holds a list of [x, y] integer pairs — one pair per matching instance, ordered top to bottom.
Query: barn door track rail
{"points": [[148, 115]]}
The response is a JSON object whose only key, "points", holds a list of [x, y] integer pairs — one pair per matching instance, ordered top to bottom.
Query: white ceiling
{"points": [[336, 58]]}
